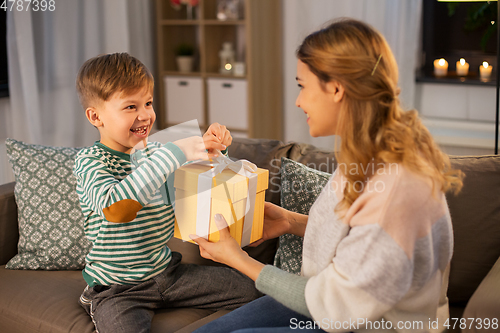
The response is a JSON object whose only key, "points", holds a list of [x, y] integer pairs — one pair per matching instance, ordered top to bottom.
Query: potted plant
{"points": [[184, 57]]}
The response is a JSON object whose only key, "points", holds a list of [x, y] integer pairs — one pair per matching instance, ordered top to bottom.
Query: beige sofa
{"points": [[47, 301]]}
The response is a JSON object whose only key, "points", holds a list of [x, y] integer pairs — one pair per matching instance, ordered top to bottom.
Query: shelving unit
{"points": [[251, 103]]}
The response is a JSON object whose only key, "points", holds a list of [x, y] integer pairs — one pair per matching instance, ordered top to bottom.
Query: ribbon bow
{"points": [[241, 167]]}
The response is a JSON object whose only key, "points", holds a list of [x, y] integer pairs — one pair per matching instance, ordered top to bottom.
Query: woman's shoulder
{"points": [[396, 192], [402, 203]]}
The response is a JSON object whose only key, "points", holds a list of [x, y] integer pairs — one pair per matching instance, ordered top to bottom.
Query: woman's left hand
{"points": [[228, 251]]}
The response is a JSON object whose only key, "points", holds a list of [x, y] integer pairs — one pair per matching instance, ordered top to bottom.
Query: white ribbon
{"points": [[240, 167]]}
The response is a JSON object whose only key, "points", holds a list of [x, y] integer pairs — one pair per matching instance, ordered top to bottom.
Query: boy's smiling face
{"points": [[124, 120]]}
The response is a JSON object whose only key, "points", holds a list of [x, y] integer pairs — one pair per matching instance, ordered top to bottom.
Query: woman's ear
{"points": [[336, 89], [93, 117]]}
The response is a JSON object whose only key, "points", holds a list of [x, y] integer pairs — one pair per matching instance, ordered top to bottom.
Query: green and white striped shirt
{"points": [[127, 218]]}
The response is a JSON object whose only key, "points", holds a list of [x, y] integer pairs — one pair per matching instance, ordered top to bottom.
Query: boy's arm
{"points": [[119, 201]]}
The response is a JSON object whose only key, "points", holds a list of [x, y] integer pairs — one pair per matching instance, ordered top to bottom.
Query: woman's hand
{"points": [[217, 137], [276, 222], [223, 251], [228, 251]]}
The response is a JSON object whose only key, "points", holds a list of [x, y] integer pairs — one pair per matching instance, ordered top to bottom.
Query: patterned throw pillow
{"points": [[300, 186], [50, 219]]}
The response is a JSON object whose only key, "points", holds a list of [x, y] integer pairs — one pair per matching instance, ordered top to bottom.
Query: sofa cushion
{"points": [[265, 154], [313, 157], [300, 186], [49, 215], [475, 216]]}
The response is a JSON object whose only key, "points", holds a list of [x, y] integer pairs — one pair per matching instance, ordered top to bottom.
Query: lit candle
{"points": [[440, 67], [462, 67], [485, 71]]}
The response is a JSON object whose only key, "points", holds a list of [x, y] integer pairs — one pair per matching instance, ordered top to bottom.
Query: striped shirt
{"points": [[128, 217]]}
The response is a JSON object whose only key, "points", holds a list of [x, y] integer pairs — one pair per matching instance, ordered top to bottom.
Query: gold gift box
{"points": [[228, 197]]}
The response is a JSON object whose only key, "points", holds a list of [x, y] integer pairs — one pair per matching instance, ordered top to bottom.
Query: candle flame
{"points": [[462, 61], [441, 62], [485, 64], [228, 67]]}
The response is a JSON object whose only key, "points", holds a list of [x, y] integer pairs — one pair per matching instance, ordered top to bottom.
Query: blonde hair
{"points": [[100, 77], [373, 126]]}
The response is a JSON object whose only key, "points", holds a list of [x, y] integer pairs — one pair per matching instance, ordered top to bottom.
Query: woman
{"points": [[378, 240]]}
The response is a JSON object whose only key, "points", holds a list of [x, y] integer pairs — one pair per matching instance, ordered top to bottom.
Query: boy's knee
{"points": [[110, 321]]}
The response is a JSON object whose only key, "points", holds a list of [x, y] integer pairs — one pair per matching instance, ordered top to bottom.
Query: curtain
{"points": [[399, 21], [45, 51]]}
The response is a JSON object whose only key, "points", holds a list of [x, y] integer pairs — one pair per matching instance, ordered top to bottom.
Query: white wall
{"points": [[397, 20], [458, 115]]}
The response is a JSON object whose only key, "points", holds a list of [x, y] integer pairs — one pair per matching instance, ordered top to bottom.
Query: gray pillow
{"points": [[300, 186], [50, 219]]}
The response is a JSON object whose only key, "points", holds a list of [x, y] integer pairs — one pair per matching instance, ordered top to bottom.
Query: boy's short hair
{"points": [[100, 77]]}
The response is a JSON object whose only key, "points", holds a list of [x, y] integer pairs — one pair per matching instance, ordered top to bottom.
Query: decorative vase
{"points": [[226, 56], [184, 63]]}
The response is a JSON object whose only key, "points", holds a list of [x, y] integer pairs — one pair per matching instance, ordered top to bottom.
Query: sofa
{"points": [[47, 300]]}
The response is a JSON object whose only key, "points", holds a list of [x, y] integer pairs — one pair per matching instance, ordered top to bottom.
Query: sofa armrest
{"points": [[9, 232], [485, 302]]}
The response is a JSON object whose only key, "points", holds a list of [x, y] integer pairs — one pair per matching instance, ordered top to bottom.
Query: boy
{"points": [[129, 270]]}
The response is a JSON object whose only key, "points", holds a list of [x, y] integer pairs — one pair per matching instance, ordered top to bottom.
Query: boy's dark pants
{"points": [[120, 308]]}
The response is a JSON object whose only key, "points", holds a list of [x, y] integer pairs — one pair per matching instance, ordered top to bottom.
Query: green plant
{"points": [[480, 16], [184, 49]]}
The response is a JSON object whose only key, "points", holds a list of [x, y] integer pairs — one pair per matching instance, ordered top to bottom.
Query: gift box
{"points": [[234, 189]]}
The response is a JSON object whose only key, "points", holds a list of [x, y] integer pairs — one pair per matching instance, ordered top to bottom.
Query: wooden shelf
{"points": [[179, 22], [201, 22], [219, 22], [257, 40], [177, 73], [203, 75], [224, 76], [472, 79], [204, 127]]}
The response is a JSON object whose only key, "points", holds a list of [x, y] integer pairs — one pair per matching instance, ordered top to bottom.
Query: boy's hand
{"points": [[217, 137], [193, 148]]}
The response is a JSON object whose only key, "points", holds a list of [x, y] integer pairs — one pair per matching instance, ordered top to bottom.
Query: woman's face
{"points": [[320, 104]]}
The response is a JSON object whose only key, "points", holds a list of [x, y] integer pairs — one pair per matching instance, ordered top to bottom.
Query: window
{"points": [[447, 37]]}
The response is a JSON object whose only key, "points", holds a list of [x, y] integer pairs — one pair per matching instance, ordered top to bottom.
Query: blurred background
{"points": [[41, 52]]}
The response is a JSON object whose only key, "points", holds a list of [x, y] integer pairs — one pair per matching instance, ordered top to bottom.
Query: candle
{"points": [[440, 67], [462, 67], [485, 71]]}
